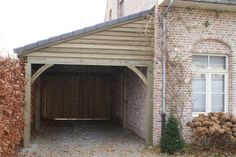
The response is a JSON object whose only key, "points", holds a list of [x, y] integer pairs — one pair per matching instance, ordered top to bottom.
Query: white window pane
{"points": [[200, 62], [217, 62], [199, 83], [218, 83], [199, 92], [199, 102], [217, 103]]}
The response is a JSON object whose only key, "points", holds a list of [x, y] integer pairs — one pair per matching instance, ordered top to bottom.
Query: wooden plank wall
{"points": [[132, 41], [85, 97], [116, 98]]}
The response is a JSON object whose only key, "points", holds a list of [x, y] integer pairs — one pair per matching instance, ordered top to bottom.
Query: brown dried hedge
{"points": [[11, 105], [215, 129]]}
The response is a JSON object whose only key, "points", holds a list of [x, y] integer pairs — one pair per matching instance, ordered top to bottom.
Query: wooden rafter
{"points": [[40, 71], [139, 73]]}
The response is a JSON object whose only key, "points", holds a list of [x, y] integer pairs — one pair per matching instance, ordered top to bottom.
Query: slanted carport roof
{"points": [[77, 33]]}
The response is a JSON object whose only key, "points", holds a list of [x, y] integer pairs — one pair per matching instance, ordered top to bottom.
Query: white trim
{"points": [[208, 74], [208, 93], [226, 107]]}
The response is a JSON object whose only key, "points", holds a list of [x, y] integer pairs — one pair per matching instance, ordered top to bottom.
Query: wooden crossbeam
{"points": [[98, 46], [87, 61], [40, 71], [139, 73]]}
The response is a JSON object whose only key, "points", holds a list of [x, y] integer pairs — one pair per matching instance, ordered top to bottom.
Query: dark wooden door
{"points": [[83, 97]]}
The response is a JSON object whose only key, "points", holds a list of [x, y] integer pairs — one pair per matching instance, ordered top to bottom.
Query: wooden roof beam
{"points": [[39, 72]]}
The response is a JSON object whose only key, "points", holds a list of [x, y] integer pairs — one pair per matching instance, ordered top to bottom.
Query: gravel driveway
{"points": [[85, 139]]}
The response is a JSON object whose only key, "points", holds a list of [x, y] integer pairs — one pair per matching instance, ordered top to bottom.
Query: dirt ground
{"points": [[85, 139]]}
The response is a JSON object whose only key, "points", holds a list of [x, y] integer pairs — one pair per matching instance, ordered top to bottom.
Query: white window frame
{"points": [[208, 73]]}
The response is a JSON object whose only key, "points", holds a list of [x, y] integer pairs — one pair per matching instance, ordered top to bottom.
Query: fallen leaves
{"points": [[215, 131]]}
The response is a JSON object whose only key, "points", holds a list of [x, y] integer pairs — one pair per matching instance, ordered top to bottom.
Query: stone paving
{"points": [[85, 139]]}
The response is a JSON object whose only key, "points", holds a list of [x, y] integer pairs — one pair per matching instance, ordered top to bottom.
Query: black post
{"points": [[163, 122]]}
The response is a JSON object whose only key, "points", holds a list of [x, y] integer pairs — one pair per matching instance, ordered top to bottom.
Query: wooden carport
{"points": [[127, 42]]}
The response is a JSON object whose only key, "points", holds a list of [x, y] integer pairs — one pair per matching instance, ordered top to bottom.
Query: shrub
{"points": [[11, 105], [214, 130], [172, 140]]}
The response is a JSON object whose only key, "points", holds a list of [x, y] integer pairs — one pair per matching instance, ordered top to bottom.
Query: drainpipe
{"points": [[164, 51]]}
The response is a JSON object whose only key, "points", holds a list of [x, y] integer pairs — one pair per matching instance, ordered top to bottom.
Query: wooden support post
{"points": [[39, 72], [139, 73], [125, 100], [37, 104], [27, 108], [149, 119]]}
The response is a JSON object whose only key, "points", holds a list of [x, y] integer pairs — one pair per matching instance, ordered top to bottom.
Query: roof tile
{"points": [[146, 12], [134, 16], [123, 19], [112, 22], [101, 25], [91, 28], [79, 32], [67, 35], [55, 39], [43, 42], [31, 46], [18, 50]]}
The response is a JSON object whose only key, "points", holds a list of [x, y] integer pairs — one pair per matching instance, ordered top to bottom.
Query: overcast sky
{"points": [[26, 21]]}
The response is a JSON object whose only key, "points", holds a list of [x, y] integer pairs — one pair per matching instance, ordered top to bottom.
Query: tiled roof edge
{"points": [[77, 33]]}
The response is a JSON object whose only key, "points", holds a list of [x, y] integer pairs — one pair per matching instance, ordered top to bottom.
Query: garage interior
{"points": [[92, 94]]}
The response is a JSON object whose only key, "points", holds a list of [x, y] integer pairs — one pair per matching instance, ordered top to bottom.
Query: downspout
{"points": [[164, 51]]}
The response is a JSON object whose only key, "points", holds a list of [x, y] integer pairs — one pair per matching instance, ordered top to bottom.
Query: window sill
{"points": [[195, 114]]}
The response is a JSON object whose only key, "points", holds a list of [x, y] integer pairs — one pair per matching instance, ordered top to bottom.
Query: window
{"points": [[120, 8], [110, 14], [209, 84]]}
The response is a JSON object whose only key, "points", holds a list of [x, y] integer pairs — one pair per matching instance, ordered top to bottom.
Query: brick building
{"points": [[204, 32], [197, 35]]}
